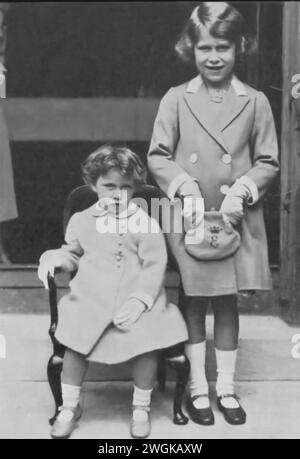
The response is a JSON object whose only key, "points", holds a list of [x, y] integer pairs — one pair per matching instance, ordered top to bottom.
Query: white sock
{"points": [[226, 361], [198, 383], [70, 396], [141, 397]]}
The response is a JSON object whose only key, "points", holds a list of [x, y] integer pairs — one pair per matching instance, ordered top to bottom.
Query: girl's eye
{"points": [[203, 48], [223, 48]]}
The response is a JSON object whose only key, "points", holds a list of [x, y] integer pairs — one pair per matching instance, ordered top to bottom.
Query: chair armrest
{"points": [[53, 301], [53, 305]]}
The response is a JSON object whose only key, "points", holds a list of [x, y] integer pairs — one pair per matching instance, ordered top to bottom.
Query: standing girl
{"points": [[214, 139], [117, 308]]}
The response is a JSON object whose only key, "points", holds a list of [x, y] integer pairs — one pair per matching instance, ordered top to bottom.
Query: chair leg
{"points": [[181, 366], [54, 369], [161, 374]]}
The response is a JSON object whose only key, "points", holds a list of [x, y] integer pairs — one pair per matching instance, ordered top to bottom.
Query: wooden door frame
{"points": [[290, 168]]}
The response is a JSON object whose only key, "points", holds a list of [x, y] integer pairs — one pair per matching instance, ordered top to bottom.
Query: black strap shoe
{"points": [[232, 415], [203, 416]]}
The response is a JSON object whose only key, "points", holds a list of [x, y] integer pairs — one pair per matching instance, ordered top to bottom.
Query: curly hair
{"points": [[223, 21], [109, 157]]}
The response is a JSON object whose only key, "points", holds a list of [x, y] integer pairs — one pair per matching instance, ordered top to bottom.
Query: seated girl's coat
{"points": [[115, 259]]}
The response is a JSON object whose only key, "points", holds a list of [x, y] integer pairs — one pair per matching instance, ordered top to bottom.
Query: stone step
{"points": [[22, 292]]}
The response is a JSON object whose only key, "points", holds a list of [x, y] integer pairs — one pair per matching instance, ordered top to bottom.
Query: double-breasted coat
{"points": [[192, 140], [8, 207], [115, 259]]}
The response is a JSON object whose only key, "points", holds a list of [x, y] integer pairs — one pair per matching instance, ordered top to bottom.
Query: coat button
{"points": [[194, 158], [226, 159], [224, 189]]}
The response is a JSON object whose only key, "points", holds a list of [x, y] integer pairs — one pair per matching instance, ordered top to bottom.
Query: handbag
{"points": [[213, 239]]}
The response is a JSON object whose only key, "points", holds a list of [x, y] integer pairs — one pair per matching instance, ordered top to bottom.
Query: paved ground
{"points": [[268, 382], [273, 410]]}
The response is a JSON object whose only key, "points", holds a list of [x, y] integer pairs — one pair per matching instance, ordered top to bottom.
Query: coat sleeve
{"points": [[264, 149], [167, 173], [153, 256], [67, 257]]}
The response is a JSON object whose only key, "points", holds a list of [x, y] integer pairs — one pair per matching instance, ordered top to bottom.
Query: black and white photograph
{"points": [[150, 222]]}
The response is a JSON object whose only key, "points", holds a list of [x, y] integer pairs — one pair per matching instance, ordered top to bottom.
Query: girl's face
{"points": [[214, 58], [114, 190]]}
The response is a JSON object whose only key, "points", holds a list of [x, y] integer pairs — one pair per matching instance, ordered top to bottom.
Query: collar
{"points": [[195, 84], [98, 211]]}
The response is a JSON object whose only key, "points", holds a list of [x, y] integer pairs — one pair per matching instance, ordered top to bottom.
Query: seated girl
{"points": [[117, 308]]}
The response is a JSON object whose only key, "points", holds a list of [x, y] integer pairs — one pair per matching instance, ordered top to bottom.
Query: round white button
{"points": [[194, 158], [226, 159], [224, 189]]}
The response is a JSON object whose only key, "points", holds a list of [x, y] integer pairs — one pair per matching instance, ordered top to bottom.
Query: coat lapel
{"points": [[197, 100], [234, 105], [199, 106]]}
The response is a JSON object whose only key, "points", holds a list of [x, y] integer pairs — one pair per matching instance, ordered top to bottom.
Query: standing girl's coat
{"points": [[191, 139], [115, 261]]}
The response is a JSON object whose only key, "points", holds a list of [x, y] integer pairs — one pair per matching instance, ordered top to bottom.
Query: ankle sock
{"points": [[226, 361], [198, 384], [70, 395], [141, 398]]}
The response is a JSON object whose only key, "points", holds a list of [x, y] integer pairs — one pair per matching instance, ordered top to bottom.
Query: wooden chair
{"points": [[174, 357]]}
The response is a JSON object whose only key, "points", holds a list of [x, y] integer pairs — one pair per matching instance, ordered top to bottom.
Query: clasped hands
{"points": [[232, 207]]}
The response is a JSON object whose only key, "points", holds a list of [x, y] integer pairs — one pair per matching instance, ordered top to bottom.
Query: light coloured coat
{"points": [[190, 138], [115, 262]]}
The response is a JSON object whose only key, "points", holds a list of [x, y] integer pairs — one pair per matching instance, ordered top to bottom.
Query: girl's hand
{"points": [[189, 188], [193, 204], [232, 206], [232, 209], [193, 211], [48, 263], [129, 313]]}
